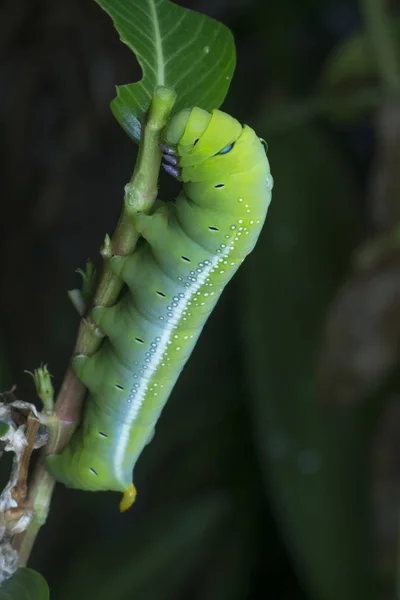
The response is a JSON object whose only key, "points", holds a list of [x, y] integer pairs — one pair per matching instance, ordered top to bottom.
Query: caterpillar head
{"points": [[199, 135], [226, 176]]}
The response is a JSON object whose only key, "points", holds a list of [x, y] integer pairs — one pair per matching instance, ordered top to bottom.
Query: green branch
{"points": [[140, 194]]}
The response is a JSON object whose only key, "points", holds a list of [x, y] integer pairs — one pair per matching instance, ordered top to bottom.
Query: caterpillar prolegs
{"points": [[193, 248]]}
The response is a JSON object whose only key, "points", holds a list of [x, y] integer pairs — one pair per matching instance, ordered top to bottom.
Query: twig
{"points": [[140, 194], [20, 489]]}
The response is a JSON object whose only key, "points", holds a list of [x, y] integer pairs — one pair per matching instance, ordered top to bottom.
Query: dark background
{"points": [[273, 470]]}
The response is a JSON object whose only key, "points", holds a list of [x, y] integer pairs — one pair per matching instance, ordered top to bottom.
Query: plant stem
{"points": [[383, 44], [140, 194], [40, 495]]}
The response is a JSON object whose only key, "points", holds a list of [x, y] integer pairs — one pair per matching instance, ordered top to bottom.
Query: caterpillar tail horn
{"points": [[128, 498]]}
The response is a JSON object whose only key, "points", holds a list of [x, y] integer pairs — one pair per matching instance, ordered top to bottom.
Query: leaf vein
{"points": [[182, 48]]}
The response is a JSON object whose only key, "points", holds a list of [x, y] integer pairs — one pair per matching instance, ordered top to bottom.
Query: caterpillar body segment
{"points": [[192, 249]]}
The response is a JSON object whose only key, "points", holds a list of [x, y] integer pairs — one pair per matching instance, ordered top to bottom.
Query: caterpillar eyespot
{"points": [[226, 149], [187, 262]]}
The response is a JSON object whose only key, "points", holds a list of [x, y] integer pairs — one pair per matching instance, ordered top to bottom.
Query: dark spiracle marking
{"points": [[219, 185], [212, 228], [185, 258], [161, 294], [139, 340], [119, 387], [93, 471]]}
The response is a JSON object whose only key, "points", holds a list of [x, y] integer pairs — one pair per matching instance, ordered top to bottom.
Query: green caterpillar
{"points": [[193, 248]]}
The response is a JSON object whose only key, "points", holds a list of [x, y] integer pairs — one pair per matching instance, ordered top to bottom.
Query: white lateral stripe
{"points": [[140, 396]]}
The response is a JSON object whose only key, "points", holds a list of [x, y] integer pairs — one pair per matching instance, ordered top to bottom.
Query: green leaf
{"points": [[177, 48], [353, 60], [44, 388], [4, 428], [314, 460], [156, 563], [25, 584]]}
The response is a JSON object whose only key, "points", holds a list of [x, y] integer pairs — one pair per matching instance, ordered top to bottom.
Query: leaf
{"points": [[175, 47], [352, 60], [4, 428], [314, 460], [157, 563], [229, 576], [25, 584]]}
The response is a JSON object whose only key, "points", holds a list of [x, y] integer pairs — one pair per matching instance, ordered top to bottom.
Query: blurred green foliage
{"points": [[311, 465], [261, 481], [25, 584]]}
